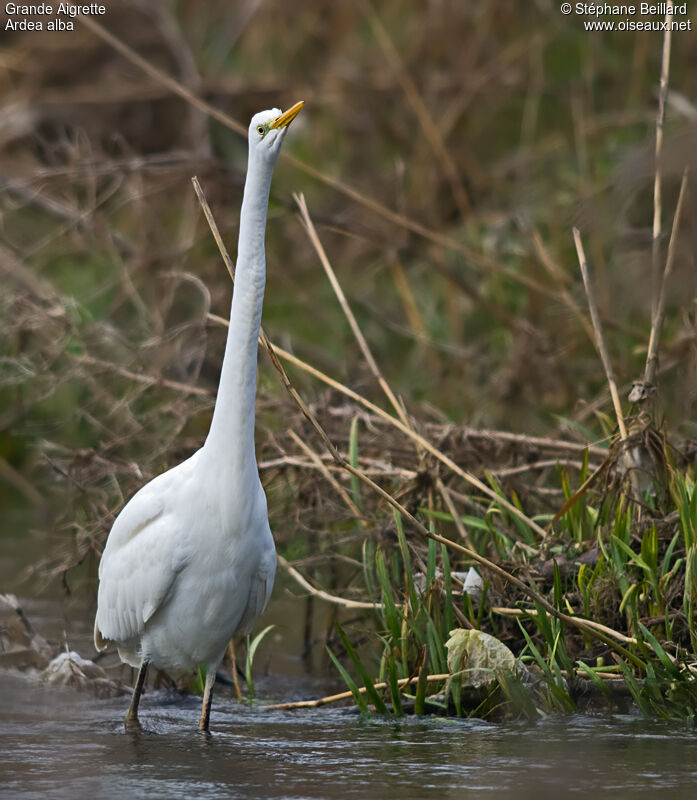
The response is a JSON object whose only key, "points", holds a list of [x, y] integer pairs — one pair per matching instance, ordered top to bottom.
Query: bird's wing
{"points": [[145, 552], [259, 590]]}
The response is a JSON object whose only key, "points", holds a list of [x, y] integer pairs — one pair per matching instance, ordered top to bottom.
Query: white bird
{"points": [[190, 560]]}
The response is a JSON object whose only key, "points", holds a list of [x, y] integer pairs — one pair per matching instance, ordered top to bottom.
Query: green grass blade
{"points": [[637, 559], [431, 563], [665, 565], [663, 657], [249, 660], [348, 680], [597, 680], [370, 689], [635, 689], [518, 696]]}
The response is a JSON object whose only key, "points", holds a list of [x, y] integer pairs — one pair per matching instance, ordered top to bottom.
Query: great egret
{"points": [[190, 560]]}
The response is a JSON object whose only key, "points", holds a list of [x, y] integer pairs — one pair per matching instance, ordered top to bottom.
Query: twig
{"points": [[662, 93], [428, 126], [210, 219], [560, 278], [401, 284], [343, 302], [657, 322], [597, 329], [139, 377], [536, 442], [378, 468], [324, 469], [522, 469], [16, 479], [443, 489], [329, 598], [532, 612], [335, 698]]}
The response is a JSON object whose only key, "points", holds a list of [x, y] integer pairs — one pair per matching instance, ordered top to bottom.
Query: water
{"points": [[57, 742]]}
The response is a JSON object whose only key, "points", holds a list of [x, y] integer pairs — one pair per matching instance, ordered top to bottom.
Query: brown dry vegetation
{"points": [[445, 152]]}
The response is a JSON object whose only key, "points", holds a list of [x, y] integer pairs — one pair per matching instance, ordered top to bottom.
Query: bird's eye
{"points": [[261, 130]]}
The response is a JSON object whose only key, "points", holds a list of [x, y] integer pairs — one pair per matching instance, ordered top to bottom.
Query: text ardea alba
{"points": [[190, 560]]}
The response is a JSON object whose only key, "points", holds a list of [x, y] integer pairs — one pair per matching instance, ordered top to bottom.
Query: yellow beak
{"points": [[287, 116]]}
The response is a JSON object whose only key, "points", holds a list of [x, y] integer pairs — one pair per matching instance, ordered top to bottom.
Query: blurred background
{"points": [[445, 151]]}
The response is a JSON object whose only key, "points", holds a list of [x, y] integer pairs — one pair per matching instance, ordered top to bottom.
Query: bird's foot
{"points": [[132, 723]]}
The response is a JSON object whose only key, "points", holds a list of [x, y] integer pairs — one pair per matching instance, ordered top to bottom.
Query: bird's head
{"points": [[268, 129]]}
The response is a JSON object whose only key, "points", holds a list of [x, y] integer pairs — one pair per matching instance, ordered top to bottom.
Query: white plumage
{"points": [[190, 560]]}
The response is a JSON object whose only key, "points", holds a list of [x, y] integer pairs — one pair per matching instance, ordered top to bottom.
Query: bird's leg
{"points": [[207, 699], [132, 722]]}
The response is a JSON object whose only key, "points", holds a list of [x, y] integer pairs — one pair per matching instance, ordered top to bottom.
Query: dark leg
{"points": [[207, 699], [132, 722]]}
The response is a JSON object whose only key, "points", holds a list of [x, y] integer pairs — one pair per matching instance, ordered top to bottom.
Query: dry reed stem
{"points": [[500, 61], [660, 115], [428, 126], [212, 224], [481, 261], [16, 271], [560, 278], [399, 279], [343, 302], [657, 322], [598, 331], [139, 377], [537, 442], [535, 466], [378, 467], [324, 469], [16, 479], [459, 525], [321, 594], [533, 612], [335, 698]]}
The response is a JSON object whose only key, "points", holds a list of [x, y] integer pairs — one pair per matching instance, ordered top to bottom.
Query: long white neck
{"points": [[230, 441]]}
